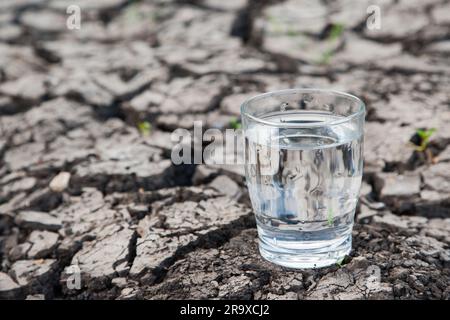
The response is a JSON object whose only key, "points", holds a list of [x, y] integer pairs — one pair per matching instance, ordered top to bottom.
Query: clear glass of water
{"points": [[303, 166]]}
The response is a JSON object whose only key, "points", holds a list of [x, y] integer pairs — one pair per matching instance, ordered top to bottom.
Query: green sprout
{"points": [[132, 13], [135, 14], [275, 24], [292, 33], [335, 33], [326, 57], [235, 124], [144, 128], [424, 136], [330, 217], [340, 262]]}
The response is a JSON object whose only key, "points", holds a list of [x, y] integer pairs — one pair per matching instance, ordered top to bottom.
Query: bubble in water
{"points": [[308, 98], [284, 139]]}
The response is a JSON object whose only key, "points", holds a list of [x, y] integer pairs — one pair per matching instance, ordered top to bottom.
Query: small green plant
{"points": [[132, 14], [275, 24], [279, 27], [292, 33], [335, 33], [326, 57], [235, 124], [144, 128], [424, 136], [330, 217], [340, 262]]}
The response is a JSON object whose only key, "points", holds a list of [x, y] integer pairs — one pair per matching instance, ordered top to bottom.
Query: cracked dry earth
{"points": [[81, 186]]}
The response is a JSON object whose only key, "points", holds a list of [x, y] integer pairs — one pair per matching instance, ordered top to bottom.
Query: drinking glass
{"points": [[303, 167]]}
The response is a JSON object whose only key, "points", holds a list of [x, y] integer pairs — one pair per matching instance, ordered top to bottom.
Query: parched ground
{"points": [[86, 184]]}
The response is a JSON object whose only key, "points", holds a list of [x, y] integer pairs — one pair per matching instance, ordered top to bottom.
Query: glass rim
{"points": [[361, 110]]}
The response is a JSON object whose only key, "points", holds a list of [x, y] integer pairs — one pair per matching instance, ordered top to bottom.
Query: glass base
{"points": [[307, 257]]}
